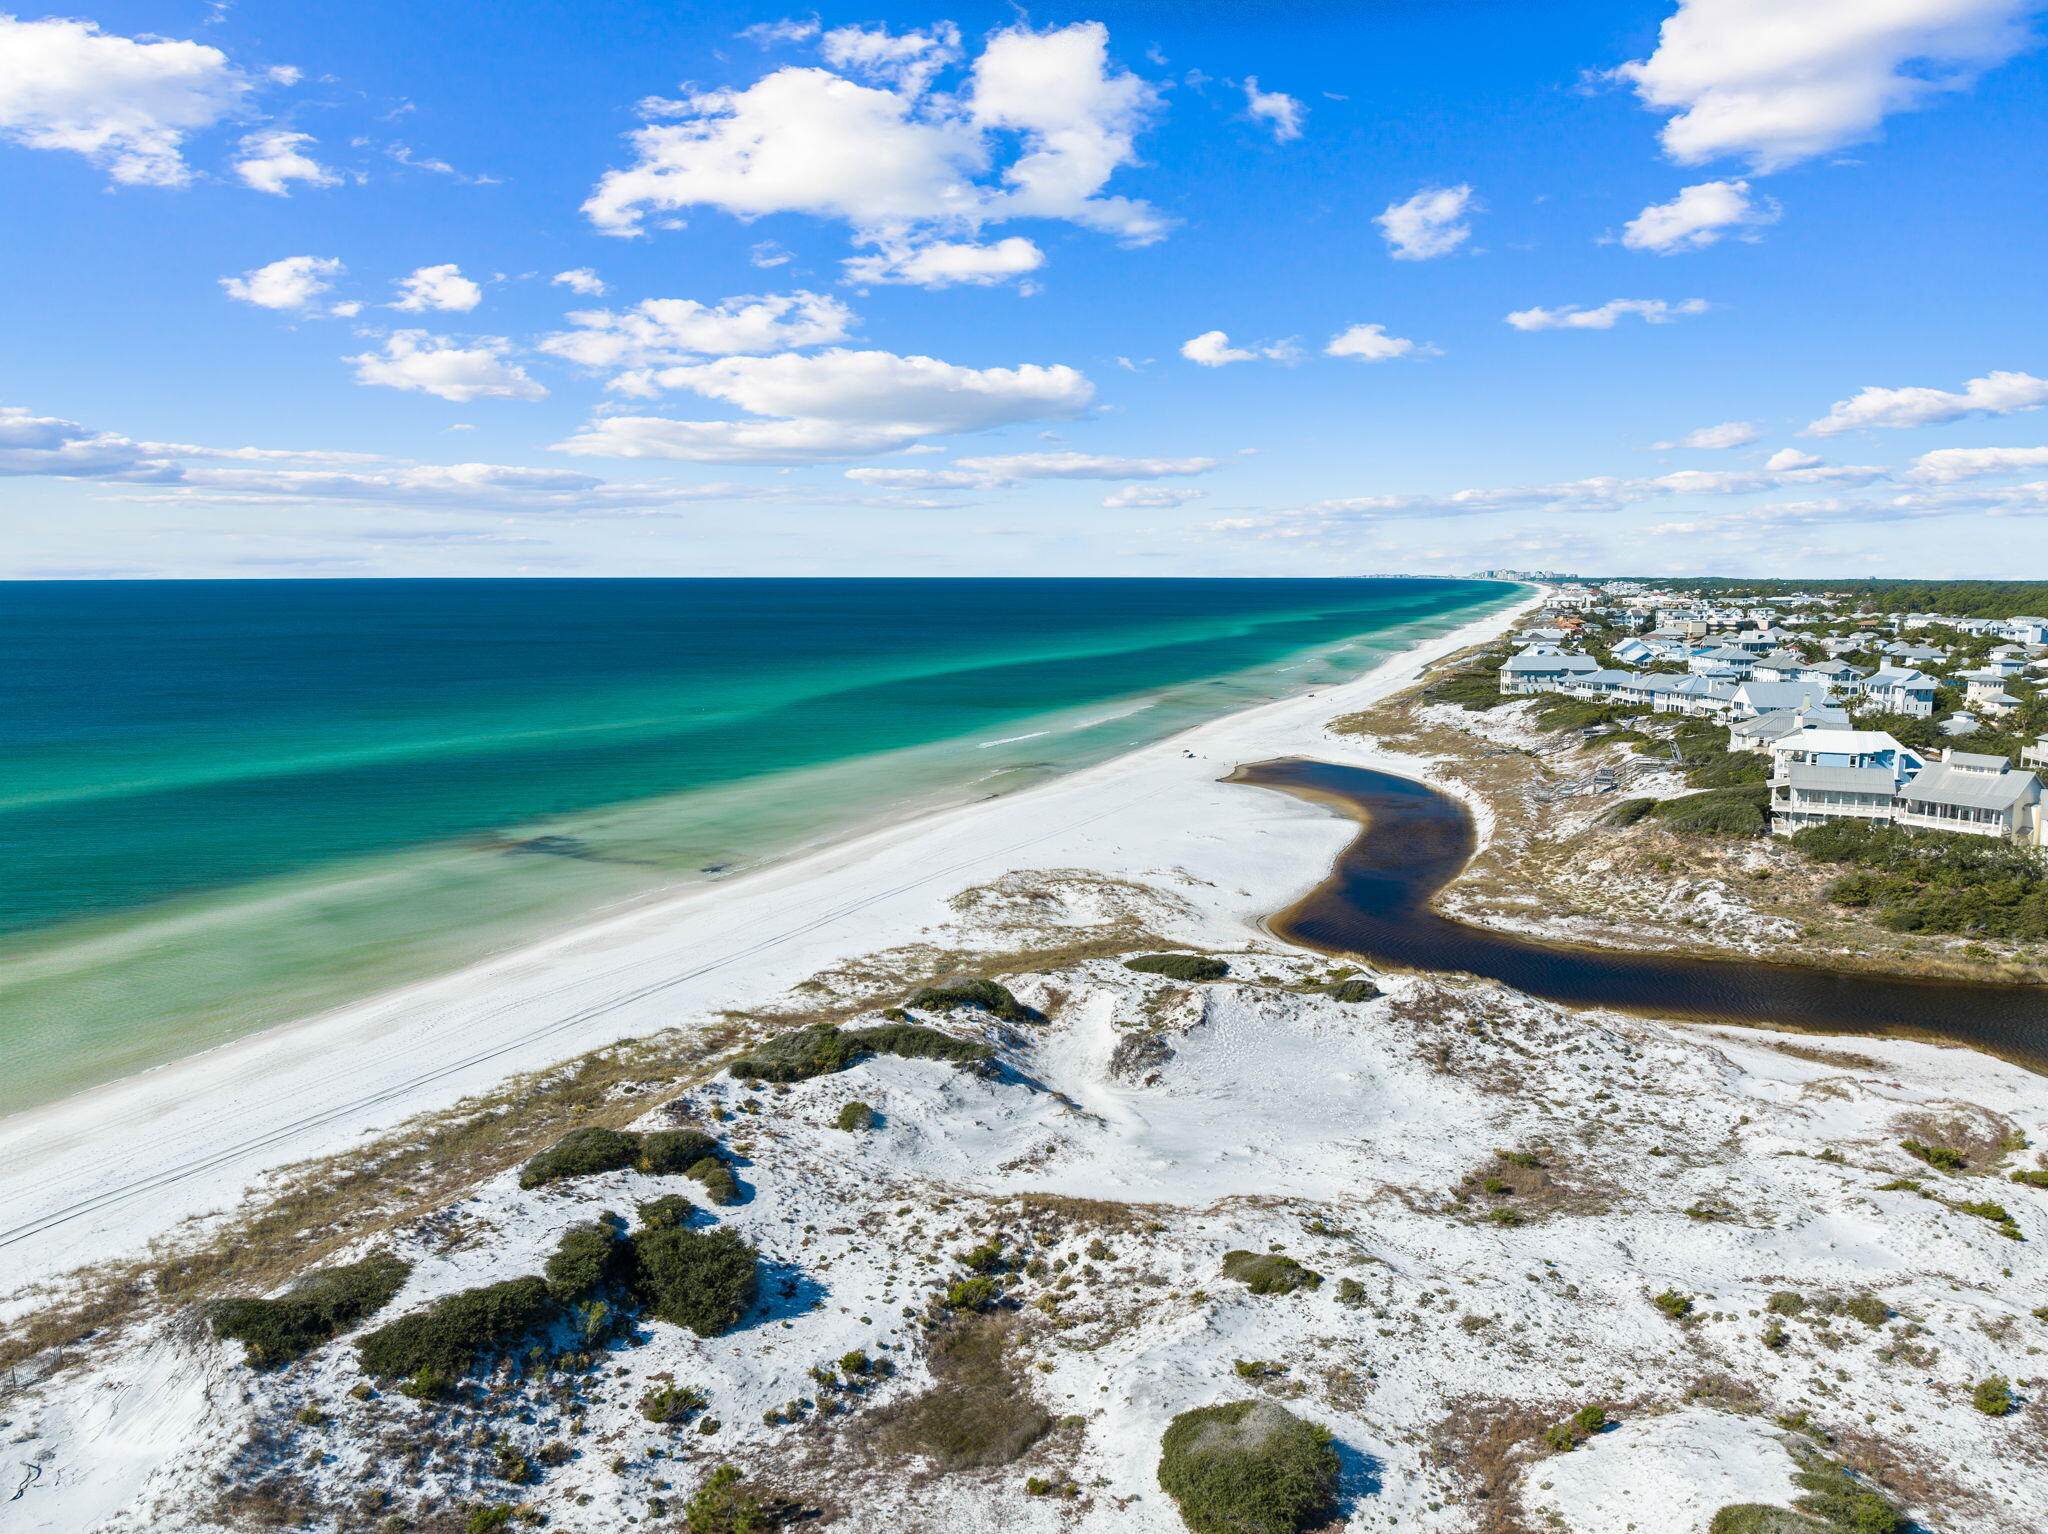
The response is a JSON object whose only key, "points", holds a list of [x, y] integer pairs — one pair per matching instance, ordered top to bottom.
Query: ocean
{"points": [[228, 804]]}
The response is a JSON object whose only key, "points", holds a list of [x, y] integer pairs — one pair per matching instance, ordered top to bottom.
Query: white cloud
{"points": [[768, 33], [905, 60], [1776, 84], [125, 103], [1283, 113], [1042, 125], [274, 158], [1697, 217], [1431, 223], [944, 263], [580, 280], [292, 283], [437, 287], [1654, 311], [658, 331], [1371, 343], [1212, 349], [438, 365], [2000, 393], [834, 405], [1727, 434], [49, 446], [1792, 458], [1953, 465], [1086, 466], [996, 472], [1149, 497]]}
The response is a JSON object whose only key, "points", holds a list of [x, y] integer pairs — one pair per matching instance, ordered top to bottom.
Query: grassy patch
{"points": [[979, 994], [823, 1049], [977, 1412]]}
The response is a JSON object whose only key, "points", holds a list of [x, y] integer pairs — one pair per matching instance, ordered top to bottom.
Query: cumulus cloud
{"points": [[905, 60], [1777, 84], [127, 104], [1281, 113], [1042, 124], [271, 160], [1698, 217], [1431, 223], [946, 263], [580, 280], [292, 283], [437, 287], [1653, 311], [658, 331], [1371, 343], [1212, 349], [441, 366], [2000, 393], [831, 406], [1727, 434], [1791, 458], [1953, 465], [1150, 497]]}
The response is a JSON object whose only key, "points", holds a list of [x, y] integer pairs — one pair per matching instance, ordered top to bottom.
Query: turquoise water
{"points": [[227, 804]]}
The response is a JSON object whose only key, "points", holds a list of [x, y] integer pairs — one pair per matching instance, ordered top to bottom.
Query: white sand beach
{"points": [[99, 1175]]}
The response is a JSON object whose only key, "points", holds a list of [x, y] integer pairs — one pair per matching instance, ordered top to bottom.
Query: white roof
{"points": [[1839, 742]]}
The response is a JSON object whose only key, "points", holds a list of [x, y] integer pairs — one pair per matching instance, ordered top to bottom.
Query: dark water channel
{"points": [[1375, 906]]}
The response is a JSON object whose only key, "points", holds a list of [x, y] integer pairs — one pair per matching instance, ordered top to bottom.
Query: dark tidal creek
{"points": [[1375, 905]]}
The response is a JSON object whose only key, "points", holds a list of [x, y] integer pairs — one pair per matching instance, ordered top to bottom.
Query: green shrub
{"points": [[1739, 811], [1627, 812], [1935, 881], [1179, 966], [1354, 991], [983, 995], [913, 1042], [824, 1050], [798, 1055], [856, 1116], [666, 1152], [581, 1153], [1943, 1158], [2030, 1177], [720, 1186], [661, 1213], [587, 1258], [1269, 1272], [704, 1280], [1350, 1292], [979, 1293], [1785, 1302], [1673, 1304], [316, 1309], [1869, 1309], [455, 1332], [1993, 1396], [671, 1403], [1577, 1428], [1249, 1467], [1844, 1504], [724, 1506], [1757, 1518], [488, 1520]]}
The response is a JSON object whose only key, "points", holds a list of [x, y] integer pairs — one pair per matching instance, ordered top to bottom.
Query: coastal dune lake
{"points": [[228, 804], [1376, 906]]}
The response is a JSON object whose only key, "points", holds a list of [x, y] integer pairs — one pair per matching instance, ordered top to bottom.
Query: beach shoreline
{"points": [[102, 1173]]}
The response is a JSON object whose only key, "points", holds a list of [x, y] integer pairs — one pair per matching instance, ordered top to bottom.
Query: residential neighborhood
{"points": [[1864, 716]]}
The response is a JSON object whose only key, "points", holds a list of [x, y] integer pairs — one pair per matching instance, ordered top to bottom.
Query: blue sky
{"points": [[1719, 286]]}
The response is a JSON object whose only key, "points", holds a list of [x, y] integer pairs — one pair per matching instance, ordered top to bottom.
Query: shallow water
{"points": [[229, 804], [1375, 906]]}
